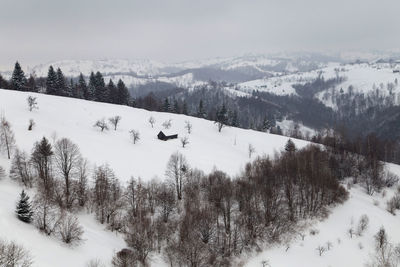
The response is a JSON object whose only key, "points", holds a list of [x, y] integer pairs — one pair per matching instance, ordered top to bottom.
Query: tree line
{"points": [[57, 84]]}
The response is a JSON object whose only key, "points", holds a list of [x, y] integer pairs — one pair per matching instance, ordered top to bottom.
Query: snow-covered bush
{"points": [[32, 103], [115, 121], [152, 121], [101, 124], [167, 124], [31, 125], [188, 127], [135, 135], [184, 141], [2, 173], [393, 204], [362, 224], [69, 230], [320, 250], [12, 254], [95, 263]]}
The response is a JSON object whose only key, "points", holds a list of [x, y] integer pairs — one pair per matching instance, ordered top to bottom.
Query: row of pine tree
{"points": [[57, 84]]}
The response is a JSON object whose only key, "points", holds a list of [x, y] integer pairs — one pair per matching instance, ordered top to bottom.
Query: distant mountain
{"points": [[232, 69]]}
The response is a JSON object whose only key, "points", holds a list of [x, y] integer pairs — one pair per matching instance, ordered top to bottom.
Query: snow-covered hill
{"points": [[363, 78], [66, 117], [72, 118], [228, 151]]}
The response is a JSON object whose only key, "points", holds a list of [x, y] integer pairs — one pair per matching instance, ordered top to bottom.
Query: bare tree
{"points": [[32, 103], [115, 121], [152, 121], [101, 124], [167, 124], [31, 125], [188, 127], [135, 135], [7, 139], [184, 141], [251, 150], [42, 158], [67, 159], [21, 169], [177, 170], [82, 183], [107, 197], [166, 200], [46, 215], [362, 224], [69, 229], [350, 231], [139, 236], [381, 238], [321, 250], [14, 255], [385, 256], [124, 258], [95, 263]]}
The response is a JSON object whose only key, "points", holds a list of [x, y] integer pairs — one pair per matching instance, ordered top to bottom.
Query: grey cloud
{"points": [[173, 30]]}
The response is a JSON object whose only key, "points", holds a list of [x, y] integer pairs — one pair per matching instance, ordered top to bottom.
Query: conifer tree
{"points": [[18, 79], [51, 82], [4, 83], [60, 83], [31, 84], [92, 87], [72, 89], [82, 89], [101, 92], [113, 92], [123, 93], [167, 106], [176, 107], [185, 108], [200, 111], [222, 117], [235, 119], [267, 124], [290, 146], [24, 209]]}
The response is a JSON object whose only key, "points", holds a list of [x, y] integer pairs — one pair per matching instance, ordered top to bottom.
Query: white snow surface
{"points": [[364, 78], [282, 84], [74, 119], [207, 149]]}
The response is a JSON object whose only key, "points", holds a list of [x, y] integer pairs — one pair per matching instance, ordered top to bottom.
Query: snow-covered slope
{"points": [[364, 78], [72, 118], [228, 151], [354, 251]]}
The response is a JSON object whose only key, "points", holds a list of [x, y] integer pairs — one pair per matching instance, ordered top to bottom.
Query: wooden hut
{"points": [[164, 137]]}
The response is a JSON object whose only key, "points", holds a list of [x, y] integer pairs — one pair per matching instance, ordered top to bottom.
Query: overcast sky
{"points": [[39, 31]]}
